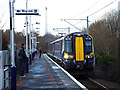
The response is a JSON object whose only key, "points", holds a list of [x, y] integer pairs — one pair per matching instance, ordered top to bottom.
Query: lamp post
{"points": [[12, 27], [26, 31], [33, 39], [30, 41]]}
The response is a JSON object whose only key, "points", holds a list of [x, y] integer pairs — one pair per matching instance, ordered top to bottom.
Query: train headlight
{"points": [[66, 56], [90, 56]]}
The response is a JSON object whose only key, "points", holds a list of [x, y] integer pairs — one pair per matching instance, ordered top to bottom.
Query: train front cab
{"points": [[73, 51], [78, 51], [68, 52], [83, 52], [89, 52]]}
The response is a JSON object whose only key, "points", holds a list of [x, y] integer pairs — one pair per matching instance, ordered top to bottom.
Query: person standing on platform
{"points": [[40, 51], [22, 58]]}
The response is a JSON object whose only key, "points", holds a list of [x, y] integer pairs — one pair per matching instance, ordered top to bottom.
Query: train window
{"points": [[68, 46], [88, 46]]}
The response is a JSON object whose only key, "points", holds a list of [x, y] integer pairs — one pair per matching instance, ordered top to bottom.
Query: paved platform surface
{"points": [[44, 74]]}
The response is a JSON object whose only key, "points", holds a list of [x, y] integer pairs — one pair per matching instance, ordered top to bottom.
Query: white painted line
{"points": [[78, 83]]}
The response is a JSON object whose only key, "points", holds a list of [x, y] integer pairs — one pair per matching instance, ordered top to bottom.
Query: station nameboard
{"points": [[27, 12]]}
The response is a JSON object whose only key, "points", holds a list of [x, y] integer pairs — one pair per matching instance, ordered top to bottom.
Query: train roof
{"points": [[77, 33], [71, 34], [57, 40]]}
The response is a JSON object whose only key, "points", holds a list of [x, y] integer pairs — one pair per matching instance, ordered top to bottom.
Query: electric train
{"points": [[74, 51]]}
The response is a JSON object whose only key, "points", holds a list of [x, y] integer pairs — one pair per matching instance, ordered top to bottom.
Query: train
{"points": [[74, 51]]}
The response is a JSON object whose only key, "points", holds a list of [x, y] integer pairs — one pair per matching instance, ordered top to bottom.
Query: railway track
{"points": [[87, 81], [90, 83], [97, 83]]}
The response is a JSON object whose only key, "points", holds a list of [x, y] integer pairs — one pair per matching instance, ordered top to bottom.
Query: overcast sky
{"points": [[57, 9]]}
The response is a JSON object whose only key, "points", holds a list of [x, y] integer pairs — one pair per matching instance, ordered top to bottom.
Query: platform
{"points": [[46, 74]]}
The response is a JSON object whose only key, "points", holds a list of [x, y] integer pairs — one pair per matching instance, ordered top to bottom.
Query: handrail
{"points": [[7, 65], [4, 68]]}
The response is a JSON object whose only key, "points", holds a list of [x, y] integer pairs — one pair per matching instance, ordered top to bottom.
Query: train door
{"points": [[79, 49]]}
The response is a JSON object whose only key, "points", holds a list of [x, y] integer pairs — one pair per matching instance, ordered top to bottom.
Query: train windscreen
{"points": [[68, 46], [88, 46]]}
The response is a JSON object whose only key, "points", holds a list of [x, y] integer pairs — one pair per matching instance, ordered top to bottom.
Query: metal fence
{"points": [[4, 69]]}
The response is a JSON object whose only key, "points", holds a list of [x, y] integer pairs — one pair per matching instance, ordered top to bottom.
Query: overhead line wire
{"points": [[89, 8], [102, 8], [107, 13], [102, 15], [1, 17], [4, 24]]}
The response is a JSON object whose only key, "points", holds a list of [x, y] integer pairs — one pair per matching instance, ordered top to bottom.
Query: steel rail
{"points": [[97, 83]]}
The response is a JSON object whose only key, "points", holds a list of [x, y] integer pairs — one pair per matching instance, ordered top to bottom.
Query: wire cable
{"points": [[88, 8], [102, 8], [105, 14], [99, 16], [1, 17], [4, 24]]}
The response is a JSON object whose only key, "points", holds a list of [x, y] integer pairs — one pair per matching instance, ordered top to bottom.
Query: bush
{"points": [[105, 59], [107, 67]]}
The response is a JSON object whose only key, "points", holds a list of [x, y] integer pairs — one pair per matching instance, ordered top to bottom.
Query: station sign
{"points": [[27, 12]]}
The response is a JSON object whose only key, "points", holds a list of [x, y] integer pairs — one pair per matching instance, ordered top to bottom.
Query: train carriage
{"points": [[75, 51]]}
